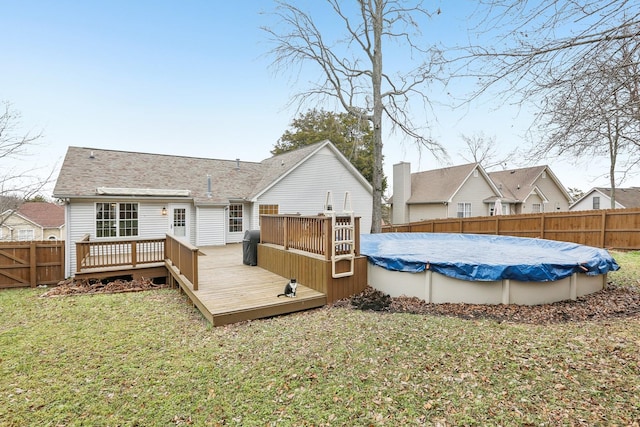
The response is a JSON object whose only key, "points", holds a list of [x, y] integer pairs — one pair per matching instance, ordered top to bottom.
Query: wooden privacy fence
{"points": [[610, 228], [33, 263]]}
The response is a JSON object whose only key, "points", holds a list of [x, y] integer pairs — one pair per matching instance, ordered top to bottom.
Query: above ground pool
{"points": [[483, 269]]}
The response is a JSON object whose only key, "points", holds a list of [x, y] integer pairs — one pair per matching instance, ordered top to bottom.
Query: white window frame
{"points": [[593, 202], [536, 208], [464, 210], [236, 220], [120, 223], [29, 234]]}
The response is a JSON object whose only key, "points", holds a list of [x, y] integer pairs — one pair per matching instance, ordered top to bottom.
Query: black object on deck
{"points": [[250, 247]]}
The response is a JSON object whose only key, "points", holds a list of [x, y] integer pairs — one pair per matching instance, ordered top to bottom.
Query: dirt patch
{"points": [[93, 286], [614, 301]]}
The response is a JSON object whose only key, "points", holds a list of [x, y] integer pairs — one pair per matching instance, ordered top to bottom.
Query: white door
{"points": [[179, 221]]}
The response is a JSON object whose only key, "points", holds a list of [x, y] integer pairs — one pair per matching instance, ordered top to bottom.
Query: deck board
{"points": [[230, 291]]}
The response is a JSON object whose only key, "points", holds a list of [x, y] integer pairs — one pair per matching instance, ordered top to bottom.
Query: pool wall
{"points": [[437, 288]]}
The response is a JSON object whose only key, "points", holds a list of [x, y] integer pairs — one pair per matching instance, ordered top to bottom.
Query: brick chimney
{"points": [[401, 192]]}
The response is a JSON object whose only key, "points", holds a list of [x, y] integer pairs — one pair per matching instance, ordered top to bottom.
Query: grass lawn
{"points": [[148, 359]]}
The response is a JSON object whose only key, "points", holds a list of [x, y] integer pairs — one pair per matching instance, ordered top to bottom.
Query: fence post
{"points": [[542, 225], [603, 228], [33, 276]]}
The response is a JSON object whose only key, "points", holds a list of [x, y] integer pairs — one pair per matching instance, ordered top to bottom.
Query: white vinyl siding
{"points": [[304, 190], [557, 200], [81, 220], [210, 226]]}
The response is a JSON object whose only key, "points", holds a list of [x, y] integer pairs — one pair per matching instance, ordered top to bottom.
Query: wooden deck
{"points": [[230, 291]]}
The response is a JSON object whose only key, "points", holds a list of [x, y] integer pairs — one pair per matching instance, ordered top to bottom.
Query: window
{"points": [[596, 202], [536, 208], [268, 210], [464, 210], [235, 218], [116, 219], [128, 223], [25, 235]]}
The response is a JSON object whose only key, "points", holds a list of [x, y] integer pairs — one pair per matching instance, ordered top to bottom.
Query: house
{"points": [[468, 190], [532, 190], [112, 194], [600, 198], [33, 221]]}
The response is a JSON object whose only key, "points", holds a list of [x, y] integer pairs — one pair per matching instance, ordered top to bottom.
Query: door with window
{"points": [[179, 221]]}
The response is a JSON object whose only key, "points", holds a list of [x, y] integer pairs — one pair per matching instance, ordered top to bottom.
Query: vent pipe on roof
{"points": [[91, 155], [237, 164], [208, 186]]}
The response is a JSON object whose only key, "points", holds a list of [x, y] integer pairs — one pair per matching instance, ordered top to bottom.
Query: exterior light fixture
{"points": [[164, 211]]}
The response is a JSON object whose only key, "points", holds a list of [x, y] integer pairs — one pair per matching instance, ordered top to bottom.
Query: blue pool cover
{"points": [[484, 257]]}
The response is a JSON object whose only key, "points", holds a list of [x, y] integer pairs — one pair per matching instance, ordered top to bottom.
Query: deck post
{"points": [[285, 229], [327, 238], [134, 252]]}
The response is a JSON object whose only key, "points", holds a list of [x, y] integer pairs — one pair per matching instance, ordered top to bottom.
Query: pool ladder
{"points": [[343, 235]]}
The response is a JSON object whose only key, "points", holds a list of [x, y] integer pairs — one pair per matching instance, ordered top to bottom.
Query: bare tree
{"points": [[523, 47], [351, 69], [595, 113], [484, 150], [16, 185]]}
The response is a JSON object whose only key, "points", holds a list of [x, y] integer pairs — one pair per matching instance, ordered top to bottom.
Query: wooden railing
{"points": [[611, 228], [305, 233], [113, 253], [184, 258]]}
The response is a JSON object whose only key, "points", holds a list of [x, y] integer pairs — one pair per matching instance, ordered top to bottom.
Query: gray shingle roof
{"points": [[84, 170], [517, 184], [438, 185], [627, 197]]}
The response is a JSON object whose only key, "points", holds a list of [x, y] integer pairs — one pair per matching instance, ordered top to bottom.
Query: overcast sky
{"points": [[192, 78]]}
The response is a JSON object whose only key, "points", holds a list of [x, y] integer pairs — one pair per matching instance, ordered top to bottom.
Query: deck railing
{"points": [[306, 233], [113, 253], [184, 257]]}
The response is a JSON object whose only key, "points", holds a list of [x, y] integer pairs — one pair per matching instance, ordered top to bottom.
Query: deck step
{"points": [[289, 305]]}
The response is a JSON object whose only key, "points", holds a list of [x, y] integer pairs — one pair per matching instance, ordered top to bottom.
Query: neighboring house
{"points": [[468, 190], [532, 190], [112, 194], [600, 198], [33, 221]]}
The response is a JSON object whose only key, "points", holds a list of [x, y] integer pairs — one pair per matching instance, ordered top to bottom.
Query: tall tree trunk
{"points": [[376, 78], [613, 156]]}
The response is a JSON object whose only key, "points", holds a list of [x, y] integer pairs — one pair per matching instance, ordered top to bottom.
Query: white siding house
{"points": [[121, 195], [600, 198]]}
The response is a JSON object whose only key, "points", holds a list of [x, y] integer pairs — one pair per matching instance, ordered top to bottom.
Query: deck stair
{"points": [[343, 235]]}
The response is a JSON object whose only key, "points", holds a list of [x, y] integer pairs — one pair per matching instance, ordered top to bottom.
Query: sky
{"points": [[193, 78]]}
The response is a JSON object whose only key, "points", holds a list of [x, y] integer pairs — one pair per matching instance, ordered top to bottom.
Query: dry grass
{"points": [[148, 358]]}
